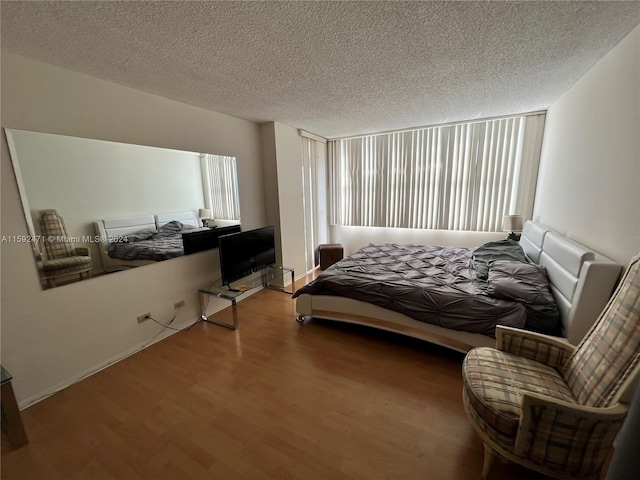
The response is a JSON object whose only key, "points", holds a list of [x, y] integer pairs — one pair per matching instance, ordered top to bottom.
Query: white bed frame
{"points": [[109, 229], [581, 282]]}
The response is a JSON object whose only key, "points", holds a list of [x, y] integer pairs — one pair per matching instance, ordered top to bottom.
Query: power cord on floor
{"points": [[208, 297], [168, 325]]}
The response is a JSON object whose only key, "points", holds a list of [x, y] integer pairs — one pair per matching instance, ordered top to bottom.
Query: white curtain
{"points": [[456, 177], [220, 184], [314, 197]]}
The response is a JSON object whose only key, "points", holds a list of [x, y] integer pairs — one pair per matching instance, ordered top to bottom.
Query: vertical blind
{"points": [[455, 177], [220, 182], [309, 196], [314, 197]]}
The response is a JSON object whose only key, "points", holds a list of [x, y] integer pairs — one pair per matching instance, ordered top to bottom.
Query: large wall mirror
{"points": [[94, 207]]}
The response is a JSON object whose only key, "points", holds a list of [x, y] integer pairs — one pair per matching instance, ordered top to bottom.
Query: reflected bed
{"points": [[128, 242]]}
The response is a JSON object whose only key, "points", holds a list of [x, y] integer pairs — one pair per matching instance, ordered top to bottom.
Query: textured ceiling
{"points": [[332, 68]]}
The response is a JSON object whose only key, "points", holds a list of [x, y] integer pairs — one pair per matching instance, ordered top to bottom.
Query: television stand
{"points": [[266, 278]]}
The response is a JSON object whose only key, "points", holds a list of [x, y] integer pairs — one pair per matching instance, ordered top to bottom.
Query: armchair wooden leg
{"points": [[489, 455]]}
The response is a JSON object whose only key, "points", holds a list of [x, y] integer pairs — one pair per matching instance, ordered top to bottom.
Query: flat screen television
{"points": [[244, 253]]}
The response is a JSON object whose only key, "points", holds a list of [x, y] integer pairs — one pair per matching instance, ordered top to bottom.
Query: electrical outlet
{"points": [[178, 305], [144, 317]]}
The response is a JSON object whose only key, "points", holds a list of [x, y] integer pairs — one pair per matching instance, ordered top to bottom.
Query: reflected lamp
{"points": [[204, 214]]}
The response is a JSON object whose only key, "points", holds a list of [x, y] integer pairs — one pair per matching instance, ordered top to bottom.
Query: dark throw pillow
{"points": [[491, 252], [528, 284]]}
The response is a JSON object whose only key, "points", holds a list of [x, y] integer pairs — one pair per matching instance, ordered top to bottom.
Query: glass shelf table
{"points": [[266, 278]]}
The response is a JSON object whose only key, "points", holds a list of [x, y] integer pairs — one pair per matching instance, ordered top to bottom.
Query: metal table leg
{"points": [[204, 317]]}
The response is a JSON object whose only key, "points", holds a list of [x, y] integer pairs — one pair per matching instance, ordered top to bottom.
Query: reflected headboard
{"points": [[187, 218], [581, 280]]}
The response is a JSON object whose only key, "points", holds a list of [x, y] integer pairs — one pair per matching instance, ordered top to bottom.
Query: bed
{"points": [[127, 242], [579, 283]]}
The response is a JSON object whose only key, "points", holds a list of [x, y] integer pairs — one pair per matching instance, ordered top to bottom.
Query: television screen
{"points": [[246, 252]]}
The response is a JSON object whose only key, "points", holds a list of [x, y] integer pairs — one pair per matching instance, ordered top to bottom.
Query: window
{"points": [[456, 177], [220, 182], [314, 196]]}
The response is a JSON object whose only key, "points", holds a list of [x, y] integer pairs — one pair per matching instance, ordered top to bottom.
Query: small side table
{"points": [[329, 253], [262, 278], [11, 420]]}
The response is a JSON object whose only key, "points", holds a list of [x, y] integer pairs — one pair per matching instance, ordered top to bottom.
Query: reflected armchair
{"points": [[60, 260], [553, 407]]}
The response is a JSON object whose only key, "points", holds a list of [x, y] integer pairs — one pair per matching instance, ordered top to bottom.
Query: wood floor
{"points": [[273, 399]]}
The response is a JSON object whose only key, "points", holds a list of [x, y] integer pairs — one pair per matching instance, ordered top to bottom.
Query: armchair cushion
{"points": [[82, 251], [67, 264], [496, 382]]}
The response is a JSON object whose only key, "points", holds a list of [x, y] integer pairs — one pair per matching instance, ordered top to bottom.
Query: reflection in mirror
{"points": [[95, 207]]}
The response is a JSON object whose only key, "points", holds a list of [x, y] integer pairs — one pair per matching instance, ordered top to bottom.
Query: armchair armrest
{"points": [[38, 250], [83, 251], [545, 349], [573, 438]]}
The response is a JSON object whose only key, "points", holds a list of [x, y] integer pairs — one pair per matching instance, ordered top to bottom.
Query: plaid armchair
{"points": [[60, 259], [553, 407]]}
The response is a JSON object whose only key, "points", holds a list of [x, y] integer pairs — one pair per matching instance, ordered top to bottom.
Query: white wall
{"points": [[282, 153], [270, 178], [589, 180], [290, 205], [353, 238], [50, 337]]}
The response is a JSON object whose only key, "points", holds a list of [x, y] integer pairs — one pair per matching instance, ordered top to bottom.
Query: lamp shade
{"points": [[204, 213], [512, 223]]}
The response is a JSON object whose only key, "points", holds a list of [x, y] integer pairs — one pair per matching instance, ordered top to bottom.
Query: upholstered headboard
{"points": [[187, 218], [117, 227], [110, 228], [531, 240], [581, 280]]}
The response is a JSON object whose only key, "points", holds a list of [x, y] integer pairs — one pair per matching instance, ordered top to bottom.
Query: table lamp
{"points": [[204, 214], [513, 224]]}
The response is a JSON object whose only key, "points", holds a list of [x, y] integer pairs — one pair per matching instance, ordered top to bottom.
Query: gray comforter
{"points": [[156, 245], [428, 283]]}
